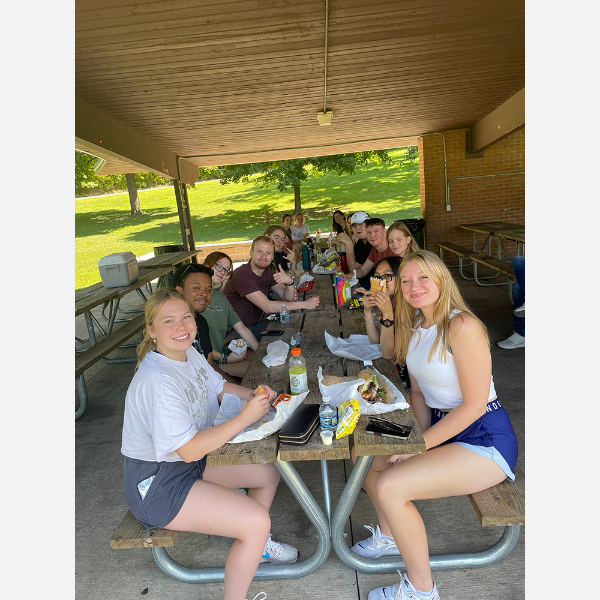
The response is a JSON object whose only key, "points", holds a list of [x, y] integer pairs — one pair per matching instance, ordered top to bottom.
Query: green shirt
{"points": [[221, 318]]}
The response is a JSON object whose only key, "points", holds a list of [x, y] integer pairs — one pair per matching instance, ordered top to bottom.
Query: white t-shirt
{"points": [[299, 233], [167, 403]]}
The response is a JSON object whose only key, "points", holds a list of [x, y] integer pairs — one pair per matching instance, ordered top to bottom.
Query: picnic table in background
{"points": [[500, 230], [171, 259]]}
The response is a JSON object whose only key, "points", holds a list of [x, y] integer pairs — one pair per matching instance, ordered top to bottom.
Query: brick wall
{"points": [[471, 200], [238, 251]]}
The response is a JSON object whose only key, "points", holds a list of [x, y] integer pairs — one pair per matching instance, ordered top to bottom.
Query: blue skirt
{"points": [[492, 436], [156, 491]]}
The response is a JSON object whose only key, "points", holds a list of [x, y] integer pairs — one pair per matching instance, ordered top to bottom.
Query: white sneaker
{"points": [[519, 312], [514, 341], [377, 545], [276, 552], [402, 591], [263, 597]]}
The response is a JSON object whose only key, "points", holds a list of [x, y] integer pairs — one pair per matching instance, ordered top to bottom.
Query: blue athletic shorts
{"points": [[491, 436], [164, 486]]}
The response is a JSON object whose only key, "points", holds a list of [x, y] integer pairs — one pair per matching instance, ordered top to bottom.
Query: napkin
{"points": [[305, 277], [356, 347], [276, 353]]}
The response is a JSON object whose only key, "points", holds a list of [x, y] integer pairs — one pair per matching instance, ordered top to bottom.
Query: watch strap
{"points": [[386, 322]]}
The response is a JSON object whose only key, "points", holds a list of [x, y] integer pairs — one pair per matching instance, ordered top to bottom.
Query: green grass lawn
{"points": [[236, 212]]}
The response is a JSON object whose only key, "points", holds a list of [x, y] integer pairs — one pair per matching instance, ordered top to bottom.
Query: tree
{"points": [[291, 173], [134, 199]]}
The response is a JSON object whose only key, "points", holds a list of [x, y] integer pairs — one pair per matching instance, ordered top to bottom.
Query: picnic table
{"points": [[500, 230], [167, 259], [96, 295], [338, 322], [502, 501]]}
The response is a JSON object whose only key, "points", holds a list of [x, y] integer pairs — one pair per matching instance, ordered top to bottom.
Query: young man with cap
{"points": [[376, 237], [195, 282], [248, 288]]}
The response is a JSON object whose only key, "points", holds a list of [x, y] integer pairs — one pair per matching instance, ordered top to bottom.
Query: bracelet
{"points": [[291, 282], [222, 359]]}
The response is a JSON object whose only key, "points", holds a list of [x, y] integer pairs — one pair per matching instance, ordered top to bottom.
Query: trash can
{"points": [[416, 226], [169, 248]]}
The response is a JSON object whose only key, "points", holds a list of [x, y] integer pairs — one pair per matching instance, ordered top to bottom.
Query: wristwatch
{"points": [[386, 322]]}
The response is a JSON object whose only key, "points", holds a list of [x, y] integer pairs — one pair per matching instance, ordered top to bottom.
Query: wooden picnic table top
{"points": [[493, 227], [512, 234], [167, 259], [101, 294], [339, 322]]}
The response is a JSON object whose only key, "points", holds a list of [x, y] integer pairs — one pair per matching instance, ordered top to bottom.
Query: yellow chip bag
{"points": [[350, 410]]}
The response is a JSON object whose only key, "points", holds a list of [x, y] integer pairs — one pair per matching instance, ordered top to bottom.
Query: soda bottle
{"points": [[298, 375], [328, 415]]}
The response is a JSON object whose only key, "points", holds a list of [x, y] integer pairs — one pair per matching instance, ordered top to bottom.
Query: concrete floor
{"points": [[452, 526]]}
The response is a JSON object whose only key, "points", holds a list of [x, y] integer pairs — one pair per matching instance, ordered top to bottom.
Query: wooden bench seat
{"points": [[455, 249], [505, 268], [84, 360], [502, 505], [132, 534]]}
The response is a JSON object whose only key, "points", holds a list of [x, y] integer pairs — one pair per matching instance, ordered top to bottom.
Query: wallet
{"points": [[301, 425]]}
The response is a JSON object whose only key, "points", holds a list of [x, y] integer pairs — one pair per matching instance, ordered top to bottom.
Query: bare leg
{"points": [[237, 369], [379, 465], [441, 472], [262, 480], [216, 510]]}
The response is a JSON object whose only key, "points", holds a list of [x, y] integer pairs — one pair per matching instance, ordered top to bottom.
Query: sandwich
{"points": [[377, 285], [240, 343], [374, 389], [260, 390]]}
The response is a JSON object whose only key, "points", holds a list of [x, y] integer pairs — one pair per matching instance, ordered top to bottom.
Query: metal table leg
{"points": [[326, 490], [389, 564], [264, 571]]}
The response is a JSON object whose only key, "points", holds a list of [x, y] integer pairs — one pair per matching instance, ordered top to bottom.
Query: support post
{"points": [[181, 212], [188, 219]]}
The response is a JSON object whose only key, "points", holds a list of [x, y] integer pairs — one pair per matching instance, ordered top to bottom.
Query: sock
{"points": [[411, 588]]}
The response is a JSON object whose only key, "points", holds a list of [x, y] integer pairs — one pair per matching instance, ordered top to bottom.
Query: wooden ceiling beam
{"points": [[500, 123], [108, 138]]}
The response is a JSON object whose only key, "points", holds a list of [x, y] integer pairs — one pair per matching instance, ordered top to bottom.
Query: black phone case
{"points": [[301, 425], [373, 429]]}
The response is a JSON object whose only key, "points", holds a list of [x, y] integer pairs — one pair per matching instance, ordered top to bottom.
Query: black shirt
{"points": [[362, 249], [279, 259], [202, 341]]}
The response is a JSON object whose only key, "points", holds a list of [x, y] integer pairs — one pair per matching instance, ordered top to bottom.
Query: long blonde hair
{"points": [[413, 246], [153, 305], [407, 319]]}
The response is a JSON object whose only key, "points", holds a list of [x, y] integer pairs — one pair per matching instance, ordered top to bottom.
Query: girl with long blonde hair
{"points": [[168, 430], [470, 442]]}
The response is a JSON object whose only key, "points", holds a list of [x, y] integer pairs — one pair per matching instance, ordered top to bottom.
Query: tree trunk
{"points": [[134, 199], [297, 205]]}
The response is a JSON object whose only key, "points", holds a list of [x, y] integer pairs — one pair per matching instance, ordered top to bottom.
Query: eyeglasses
{"points": [[219, 267], [194, 268], [386, 276]]}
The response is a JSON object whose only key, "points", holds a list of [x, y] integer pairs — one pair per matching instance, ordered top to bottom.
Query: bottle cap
{"points": [[296, 351], [327, 399]]}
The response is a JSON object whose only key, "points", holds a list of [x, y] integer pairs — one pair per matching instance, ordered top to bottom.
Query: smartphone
{"points": [[272, 332], [397, 431]]}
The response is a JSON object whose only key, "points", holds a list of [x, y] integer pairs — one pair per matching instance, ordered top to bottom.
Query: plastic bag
{"points": [[346, 390], [273, 421]]}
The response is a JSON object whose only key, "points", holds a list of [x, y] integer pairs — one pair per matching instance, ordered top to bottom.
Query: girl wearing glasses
{"points": [[284, 255], [379, 306], [221, 319]]}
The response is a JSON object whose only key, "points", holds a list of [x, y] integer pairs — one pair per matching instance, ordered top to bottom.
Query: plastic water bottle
{"points": [[284, 315], [297, 339], [298, 375], [328, 415]]}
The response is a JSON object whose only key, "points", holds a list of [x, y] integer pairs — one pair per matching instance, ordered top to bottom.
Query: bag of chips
{"points": [[350, 411]]}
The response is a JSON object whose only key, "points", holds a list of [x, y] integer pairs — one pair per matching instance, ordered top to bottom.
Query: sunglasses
{"points": [[191, 267], [219, 267]]}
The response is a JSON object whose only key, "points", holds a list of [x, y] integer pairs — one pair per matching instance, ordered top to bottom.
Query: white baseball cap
{"points": [[359, 217]]}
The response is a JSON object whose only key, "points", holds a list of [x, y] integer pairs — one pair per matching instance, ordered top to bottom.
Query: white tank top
{"points": [[438, 380]]}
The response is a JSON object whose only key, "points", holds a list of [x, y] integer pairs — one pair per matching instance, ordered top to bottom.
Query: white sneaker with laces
{"points": [[519, 312], [514, 341], [377, 545], [276, 552], [402, 591], [263, 597]]}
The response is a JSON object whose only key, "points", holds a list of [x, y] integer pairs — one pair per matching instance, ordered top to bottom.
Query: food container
{"points": [[118, 269], [327, 437]]}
